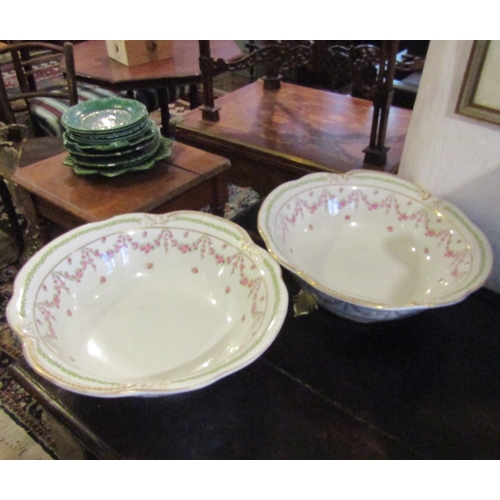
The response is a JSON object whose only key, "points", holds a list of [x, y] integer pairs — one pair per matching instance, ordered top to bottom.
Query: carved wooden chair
{"points": [[357, 66], [354, 67], [28, 98], [44, 102], [22, 104], [31, 111], [24, 134]]}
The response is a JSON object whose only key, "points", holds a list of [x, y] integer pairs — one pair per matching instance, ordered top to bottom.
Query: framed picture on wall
{"points": [[480, 93]]}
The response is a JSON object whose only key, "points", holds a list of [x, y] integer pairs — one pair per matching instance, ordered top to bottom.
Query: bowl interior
{"points": [[368, 242], [155, 304]]}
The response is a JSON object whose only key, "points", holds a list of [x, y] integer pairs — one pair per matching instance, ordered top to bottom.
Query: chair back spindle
{"points": [[29, 60]]}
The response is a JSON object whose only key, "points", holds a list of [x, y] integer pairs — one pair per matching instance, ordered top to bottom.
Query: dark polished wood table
{"points": [[94, 66], [273, 136], [188, 179], [423, 387]]}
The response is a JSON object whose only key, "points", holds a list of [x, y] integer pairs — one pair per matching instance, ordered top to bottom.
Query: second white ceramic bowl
{"points": [[371, 246]]}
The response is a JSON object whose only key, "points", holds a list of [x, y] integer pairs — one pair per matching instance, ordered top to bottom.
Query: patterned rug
{"points": [[15, 402], [35, 430], [27, 435], [16, 444]]}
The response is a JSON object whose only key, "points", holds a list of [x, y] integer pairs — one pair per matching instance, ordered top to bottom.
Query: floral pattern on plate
{"points": [[373, 244], [147, 304]]}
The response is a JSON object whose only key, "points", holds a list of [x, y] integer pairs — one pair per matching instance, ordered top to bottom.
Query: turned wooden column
{"points": [[208, 111], [376, 152]]}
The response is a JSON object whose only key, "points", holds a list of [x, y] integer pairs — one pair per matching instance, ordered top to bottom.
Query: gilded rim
{"points": [[422, 196], [62, 374]]}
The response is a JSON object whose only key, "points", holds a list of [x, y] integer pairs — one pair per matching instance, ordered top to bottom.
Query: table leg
{"points": [[194, 100], [165, 113], [220, 194], [12, 216]]}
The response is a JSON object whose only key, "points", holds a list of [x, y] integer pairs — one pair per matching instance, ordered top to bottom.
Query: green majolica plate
{"points": [[103, 115], [123, 134], [106, 136], [112, 143], [162, 152], [105, 155], [117, 160], [112, 162], [114, 172]]}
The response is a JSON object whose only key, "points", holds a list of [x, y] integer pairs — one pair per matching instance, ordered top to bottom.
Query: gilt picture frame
{"points": [[480, 92]]}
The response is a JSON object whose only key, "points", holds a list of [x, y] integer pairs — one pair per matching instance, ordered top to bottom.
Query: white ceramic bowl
{"points": [[371, 246], [147, 305]]}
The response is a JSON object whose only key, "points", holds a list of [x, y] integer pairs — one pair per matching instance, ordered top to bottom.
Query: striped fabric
{"points": [[48, 111]]}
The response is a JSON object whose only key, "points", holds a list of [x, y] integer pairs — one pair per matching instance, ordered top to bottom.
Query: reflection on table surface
{"points": [[93, 63], [94, 66], [328, 388]]}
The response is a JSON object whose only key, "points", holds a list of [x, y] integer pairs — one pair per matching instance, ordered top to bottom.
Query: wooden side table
{"points": [[189, 179]]}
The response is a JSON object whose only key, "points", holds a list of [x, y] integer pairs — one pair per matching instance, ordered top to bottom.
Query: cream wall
{"points": [[449, 155]]}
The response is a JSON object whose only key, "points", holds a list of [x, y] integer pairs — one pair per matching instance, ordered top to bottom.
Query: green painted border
{"points": [[149, 218]]}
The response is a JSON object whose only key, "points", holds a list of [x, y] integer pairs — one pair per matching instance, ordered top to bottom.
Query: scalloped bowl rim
{"points": [[322, 179], [41, 355]]}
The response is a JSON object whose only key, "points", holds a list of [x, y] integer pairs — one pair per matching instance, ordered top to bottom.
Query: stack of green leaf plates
{"points": [[112, 136]]}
